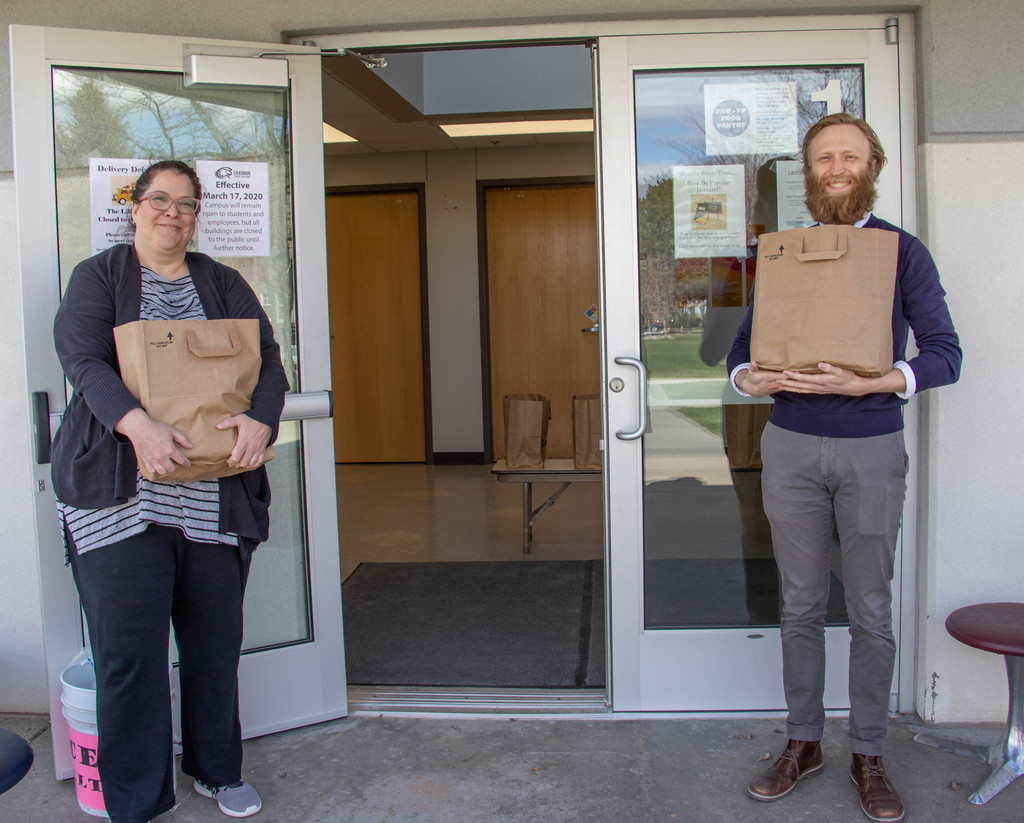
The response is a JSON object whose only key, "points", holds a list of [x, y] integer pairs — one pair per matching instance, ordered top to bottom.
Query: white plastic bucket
{"points": [[78, 683], [78, 696]]}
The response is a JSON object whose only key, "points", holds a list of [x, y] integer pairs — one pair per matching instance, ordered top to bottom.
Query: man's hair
{"points": [[843, 119]]}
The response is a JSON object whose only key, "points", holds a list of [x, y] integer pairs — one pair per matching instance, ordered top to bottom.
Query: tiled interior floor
{"points": [[395, 512]]}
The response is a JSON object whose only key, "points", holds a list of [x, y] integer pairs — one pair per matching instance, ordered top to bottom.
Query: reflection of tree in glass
{"points": [[146, 115], [89, 126], [657, 279], [670, 289]]}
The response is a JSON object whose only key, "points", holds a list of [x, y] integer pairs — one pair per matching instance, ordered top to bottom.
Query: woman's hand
{"points": [[757, 382], [251, 441], [156, 444]]}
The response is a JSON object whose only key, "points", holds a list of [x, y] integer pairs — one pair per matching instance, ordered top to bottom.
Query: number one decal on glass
{"points": [[831, 95]]}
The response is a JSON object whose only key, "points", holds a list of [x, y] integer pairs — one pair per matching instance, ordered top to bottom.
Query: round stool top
{"points": [[992, 627], [15, 759]]}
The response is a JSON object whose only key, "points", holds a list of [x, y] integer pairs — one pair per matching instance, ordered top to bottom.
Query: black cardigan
{"points": [[94, 467]]}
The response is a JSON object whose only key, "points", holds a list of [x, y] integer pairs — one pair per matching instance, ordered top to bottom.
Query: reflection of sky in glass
{"points": [[670, 109], [669, 114]]}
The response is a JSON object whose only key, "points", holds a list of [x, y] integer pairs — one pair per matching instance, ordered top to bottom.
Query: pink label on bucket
{"points": [[88, 789]]}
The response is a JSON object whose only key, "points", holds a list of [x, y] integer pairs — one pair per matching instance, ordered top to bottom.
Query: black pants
{"points": [[131, 592]]}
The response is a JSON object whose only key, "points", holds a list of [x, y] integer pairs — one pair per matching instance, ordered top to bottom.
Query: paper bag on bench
{"points": [[825, 294], [192, 374], [526, 430], [586, 431]]}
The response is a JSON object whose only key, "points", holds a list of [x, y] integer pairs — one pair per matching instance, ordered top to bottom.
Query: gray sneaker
{"points": [[235, 800]]}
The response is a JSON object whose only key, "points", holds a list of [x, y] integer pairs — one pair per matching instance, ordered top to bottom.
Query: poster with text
{"points": [[750, 118], [111, 183], [236, 209], [710, 211], [793, 212]]}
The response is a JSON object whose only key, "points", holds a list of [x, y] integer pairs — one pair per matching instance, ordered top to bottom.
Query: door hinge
{"points": [[892, 31]]}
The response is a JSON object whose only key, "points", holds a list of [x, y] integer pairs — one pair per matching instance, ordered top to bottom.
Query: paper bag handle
{"points": [[811, 256], [193, 346]]}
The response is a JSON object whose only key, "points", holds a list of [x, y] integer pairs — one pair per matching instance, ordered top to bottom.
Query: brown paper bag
{"points": [[824, 294], [192, 374], [744, 424], [526, 430], [586, 431]]}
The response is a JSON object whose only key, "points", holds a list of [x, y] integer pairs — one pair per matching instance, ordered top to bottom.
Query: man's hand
{"points": [[834, 380], [757, 382], [251, 442], [156, 444]]}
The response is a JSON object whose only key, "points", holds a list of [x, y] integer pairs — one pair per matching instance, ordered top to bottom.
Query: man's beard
{"points": [[846, 209]]}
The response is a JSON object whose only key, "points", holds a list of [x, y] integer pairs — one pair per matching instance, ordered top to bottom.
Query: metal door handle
{"points": [[641, 399], [307, 405], [41, 426]]}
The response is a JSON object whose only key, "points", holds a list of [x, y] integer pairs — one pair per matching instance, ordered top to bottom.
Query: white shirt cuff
{"points": [[741, 367], [908, 373]]}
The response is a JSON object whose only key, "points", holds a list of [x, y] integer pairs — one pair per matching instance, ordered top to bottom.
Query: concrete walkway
{"points": [[454, 768]]}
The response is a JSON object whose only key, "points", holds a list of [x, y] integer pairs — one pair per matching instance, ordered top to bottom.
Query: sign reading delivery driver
{"points": [[235, 216]]}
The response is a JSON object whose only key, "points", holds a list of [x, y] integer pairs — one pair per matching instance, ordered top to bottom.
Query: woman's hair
{"points": [[844, 119], [146, 178]]}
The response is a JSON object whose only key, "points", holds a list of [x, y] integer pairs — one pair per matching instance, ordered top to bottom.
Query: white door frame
{"points": [[623, 475], [653, 669], [281, 688]]}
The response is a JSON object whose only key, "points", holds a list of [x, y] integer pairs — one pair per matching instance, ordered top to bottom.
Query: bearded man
{"points": [[834, 458]]}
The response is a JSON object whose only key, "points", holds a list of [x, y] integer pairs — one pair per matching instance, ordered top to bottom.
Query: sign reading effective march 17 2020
{"points": [[750, 118], [236, 209], [709, 211]]}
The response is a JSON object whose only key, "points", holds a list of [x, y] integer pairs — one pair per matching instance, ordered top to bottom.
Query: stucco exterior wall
{"points": [[970, 131], [971, 534]]}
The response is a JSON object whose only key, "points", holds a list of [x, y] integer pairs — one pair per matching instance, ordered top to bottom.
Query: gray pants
{"points": [[859, 484]]}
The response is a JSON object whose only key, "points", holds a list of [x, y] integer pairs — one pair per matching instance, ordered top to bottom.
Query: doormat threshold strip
{"points": [[385, 699]]}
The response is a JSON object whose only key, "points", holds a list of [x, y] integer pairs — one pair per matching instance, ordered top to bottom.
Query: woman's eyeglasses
{"points": [[161, 201]]}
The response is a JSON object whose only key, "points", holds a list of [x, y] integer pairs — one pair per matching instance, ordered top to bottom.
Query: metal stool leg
{"points": [[1007, 756]]}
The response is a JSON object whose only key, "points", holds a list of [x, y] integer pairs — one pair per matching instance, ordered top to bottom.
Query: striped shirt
{"points": [[193, 507]]}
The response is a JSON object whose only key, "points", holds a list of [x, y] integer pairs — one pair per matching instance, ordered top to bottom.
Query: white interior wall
{"points": [[973, 532]]}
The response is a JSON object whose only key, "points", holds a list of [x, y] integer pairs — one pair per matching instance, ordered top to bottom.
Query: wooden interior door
{"points": [[373, 271], [542, 278]]}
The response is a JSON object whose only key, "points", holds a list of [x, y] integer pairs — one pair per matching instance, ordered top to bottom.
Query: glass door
{"points": [[110, 104], [700, 153]]}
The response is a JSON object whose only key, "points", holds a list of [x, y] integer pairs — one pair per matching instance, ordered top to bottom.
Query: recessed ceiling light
{"points": [[517, 127], [333, 135]]}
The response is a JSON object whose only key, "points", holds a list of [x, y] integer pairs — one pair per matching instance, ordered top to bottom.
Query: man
{"points": [[834, 455]]}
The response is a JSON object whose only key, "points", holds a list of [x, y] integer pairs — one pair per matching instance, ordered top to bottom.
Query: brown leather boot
{"points": [[802, 758], [878, 798]]}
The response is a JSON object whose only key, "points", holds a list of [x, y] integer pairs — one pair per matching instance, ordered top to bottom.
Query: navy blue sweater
{"points": [[919, 303], [95, 467]]}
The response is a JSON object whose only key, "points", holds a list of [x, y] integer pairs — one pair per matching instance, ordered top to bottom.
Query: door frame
{"points": [[421, 193], [650, 664], [310, 674], [625, 696]]}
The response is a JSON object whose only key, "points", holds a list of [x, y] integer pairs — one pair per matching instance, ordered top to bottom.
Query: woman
{"points": [[144, 554]]}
